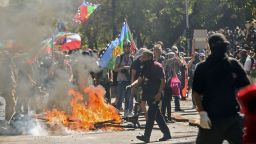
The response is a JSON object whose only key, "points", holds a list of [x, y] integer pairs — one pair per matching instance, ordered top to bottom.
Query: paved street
{"points": [[181, 133]]}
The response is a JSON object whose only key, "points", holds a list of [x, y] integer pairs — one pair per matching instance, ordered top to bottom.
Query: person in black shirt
{"points": [[153, 82], [214, 90]]}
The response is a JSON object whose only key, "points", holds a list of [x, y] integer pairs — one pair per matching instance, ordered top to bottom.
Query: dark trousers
{"points": [[166, 101], [177, 102], [154, 114], [229, 129]]}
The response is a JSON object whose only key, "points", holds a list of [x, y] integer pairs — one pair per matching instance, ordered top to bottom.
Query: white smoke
{"points": [[4, 3], [25, 24]]}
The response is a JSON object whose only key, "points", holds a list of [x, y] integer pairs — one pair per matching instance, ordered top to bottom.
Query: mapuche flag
{"points": [[84, 11], [115, 48]]}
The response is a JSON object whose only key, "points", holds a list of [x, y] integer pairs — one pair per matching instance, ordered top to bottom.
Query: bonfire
{"points": [[86, 115]]}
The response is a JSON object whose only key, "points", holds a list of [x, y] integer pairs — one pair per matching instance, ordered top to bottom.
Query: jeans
{"points": [[124, 94], [166, 101]]}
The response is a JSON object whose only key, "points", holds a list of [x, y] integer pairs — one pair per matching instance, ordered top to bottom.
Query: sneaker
{"points": [[130, 114], [143, 138], [165, 138]]}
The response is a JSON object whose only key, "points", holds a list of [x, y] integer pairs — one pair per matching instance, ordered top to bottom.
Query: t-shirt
{"points": [[125, 62], [152, 75], [217, 80]]}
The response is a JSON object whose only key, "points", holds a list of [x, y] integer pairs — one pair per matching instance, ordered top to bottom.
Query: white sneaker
{"points": [[130, 114]]}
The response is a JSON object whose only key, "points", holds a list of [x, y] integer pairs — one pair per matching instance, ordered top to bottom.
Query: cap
{"points": [[217, 38], [148, 52], [139, 53]]}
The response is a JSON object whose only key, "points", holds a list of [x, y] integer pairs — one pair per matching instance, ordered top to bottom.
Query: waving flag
{"points": [[84, 11], [64, 41], [115, 48]]}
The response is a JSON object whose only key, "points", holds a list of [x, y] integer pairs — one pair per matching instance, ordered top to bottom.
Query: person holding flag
{"points": [[122, 67]]}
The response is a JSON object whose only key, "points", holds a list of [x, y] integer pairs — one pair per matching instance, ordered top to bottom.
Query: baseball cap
{"points": [[217, 38], [139, 53]]}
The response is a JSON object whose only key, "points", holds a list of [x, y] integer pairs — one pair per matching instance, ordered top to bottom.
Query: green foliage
{"points": [[153, 20]]}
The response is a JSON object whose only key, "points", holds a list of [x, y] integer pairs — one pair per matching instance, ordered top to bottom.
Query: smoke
{"points": [[4, 3], [29, 22], [45, 83]]}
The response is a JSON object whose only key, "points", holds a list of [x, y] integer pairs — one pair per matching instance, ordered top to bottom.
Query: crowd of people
{"points": [[159, 75]]}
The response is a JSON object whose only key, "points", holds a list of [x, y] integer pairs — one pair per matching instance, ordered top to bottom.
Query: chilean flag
{"points": [[63, 41], [71, 41]]}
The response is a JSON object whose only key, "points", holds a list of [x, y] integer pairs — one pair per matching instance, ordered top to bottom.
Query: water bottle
{"points": [[2, 108]]}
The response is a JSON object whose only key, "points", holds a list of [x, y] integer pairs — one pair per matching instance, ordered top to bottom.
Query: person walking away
{"points": [[175, 83], [214, 90], [166, 100]]}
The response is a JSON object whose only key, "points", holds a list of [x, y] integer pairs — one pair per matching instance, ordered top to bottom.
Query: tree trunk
{"points": [[113, 18]]}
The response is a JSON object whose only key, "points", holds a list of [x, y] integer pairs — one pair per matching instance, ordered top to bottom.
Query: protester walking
{"points": [[153, 82], [214, 90]]}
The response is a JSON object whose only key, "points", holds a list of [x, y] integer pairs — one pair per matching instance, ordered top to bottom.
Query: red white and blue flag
{"points": [[64, 41]]}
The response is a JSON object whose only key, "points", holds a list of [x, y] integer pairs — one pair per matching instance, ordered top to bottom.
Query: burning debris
{"points": [[95, 113]]}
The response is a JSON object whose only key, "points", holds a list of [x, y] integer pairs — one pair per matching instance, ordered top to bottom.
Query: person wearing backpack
{"points": [[122, 67]]}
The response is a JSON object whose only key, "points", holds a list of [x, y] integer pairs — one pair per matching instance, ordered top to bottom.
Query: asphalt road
{"points": [[182, 133]]}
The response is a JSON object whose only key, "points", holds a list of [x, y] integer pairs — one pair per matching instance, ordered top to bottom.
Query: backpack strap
{"points": [[121, 59]]}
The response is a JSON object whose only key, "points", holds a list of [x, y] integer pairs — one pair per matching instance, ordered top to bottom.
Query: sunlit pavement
{"points": [[181, 133]]}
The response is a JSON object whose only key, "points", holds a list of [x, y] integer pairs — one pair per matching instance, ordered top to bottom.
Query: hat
{"points": [[217, 38], [148, 52], [139, 53]]}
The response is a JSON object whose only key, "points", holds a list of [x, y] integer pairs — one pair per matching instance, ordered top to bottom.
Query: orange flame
{"points": [[85, 115]]}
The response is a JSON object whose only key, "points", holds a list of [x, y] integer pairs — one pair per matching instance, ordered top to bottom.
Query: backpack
{"points": [[122, 57], [175, 85]]}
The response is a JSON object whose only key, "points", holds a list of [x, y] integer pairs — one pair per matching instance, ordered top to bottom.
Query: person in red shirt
{"points": [[247, 101]]}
